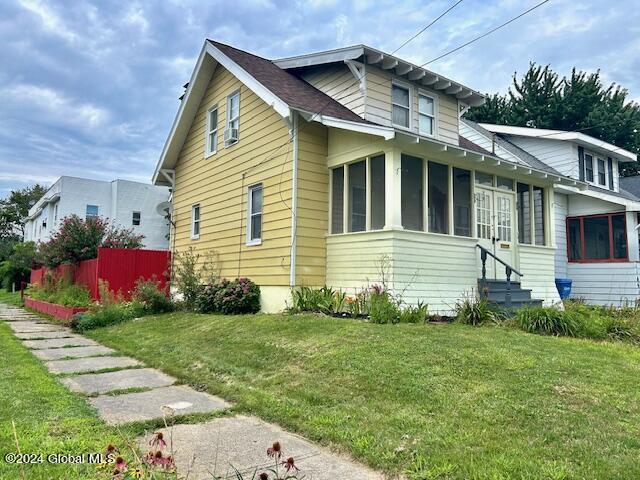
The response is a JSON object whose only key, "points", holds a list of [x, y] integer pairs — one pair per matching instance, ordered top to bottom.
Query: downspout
{"points": [[294, 198]]}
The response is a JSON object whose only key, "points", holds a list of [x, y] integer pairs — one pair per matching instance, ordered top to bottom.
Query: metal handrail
{"points": [[498, 259], [508, 271]]}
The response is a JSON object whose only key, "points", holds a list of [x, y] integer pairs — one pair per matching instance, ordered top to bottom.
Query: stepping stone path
{"points": [[200, 450]]}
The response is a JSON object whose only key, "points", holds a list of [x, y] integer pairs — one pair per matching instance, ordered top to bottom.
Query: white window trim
{"points": [[409, 88], [422, 93], [228, 119], [208, 150], [595, 181], [250, 213], [195, 236]]}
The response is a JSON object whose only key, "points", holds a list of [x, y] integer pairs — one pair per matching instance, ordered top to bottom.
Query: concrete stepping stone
{"points": [[19, 318], [35, 327], [41, 335], [59, 343], [72, 352], [90, 364], [107, 382], [141, 406], [210, 449]]}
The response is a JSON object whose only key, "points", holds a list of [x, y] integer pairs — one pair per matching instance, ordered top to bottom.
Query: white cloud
{"points": [[50, 20]]}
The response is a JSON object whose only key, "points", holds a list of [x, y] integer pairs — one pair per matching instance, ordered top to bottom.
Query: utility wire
{"points": [[486, 33]]}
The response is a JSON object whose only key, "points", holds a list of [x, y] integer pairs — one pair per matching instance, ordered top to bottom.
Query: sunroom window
{"points": [[401, 110], [376, 169], [358, 196], [412, 197], [438, 198], [337, 200], [461, 202], [524, 213], [598, 238]]}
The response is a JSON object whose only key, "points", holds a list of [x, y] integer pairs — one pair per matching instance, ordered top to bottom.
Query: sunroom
{"points": [[424, 207]]}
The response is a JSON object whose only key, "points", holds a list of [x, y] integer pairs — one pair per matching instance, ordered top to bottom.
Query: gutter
{"points": [[294, 198]]}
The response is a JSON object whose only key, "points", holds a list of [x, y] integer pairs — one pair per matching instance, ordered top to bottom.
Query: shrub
{"points": [[17, 267], [187, 277], [61, 293], [152, 296], [237, 297], [206, 299], [383, 308], [475, 311], [414, 314], [106, 315], [548, 321]]}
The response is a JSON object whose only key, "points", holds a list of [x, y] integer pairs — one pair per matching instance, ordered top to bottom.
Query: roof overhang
{"points": [[402, 68], [576, 137], [493, 161], [630, 205]]}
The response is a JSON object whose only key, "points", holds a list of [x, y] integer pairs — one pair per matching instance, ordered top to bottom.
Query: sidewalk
{"points": [[201, 450]]}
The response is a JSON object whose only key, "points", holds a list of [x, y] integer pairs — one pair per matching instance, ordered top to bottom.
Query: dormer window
{"points": [[400, 105], [426, 115]]}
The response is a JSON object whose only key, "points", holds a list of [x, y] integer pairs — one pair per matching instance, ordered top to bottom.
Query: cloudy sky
{"points": [[90, 89]]}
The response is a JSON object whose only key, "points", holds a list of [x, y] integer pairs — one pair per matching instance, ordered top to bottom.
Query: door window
{"points": [[483, 214], [503, 220]]}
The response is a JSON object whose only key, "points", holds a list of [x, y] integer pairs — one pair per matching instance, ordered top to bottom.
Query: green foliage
{"points": [[541, 99], [14, 210], [78, 239], [17, 267], [187, 276], [61, 293], [150, 294], [230, 298], [319, 300], [383, 308], [476, 311], [109, 314], [414, 314], [548, 321]]}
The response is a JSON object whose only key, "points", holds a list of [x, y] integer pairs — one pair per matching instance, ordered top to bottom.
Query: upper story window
{"points": [[400, 105], [426, 115], [212, 130], [231, 133], [588, 166], [595, 169], [602, 174], [91, 212], [55, 214], [254, 217], [136, 218], [195, 221]]}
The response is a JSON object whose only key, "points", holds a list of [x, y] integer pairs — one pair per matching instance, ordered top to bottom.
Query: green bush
{"points": [[61, 293], [152, 296], [237, 297], [318, 300], [205, 301], [383, 308], [476, 311], [414, 314], [106, 315], [549, 321]]}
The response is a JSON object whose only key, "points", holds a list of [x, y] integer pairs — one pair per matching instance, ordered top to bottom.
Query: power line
{"points": [[428, 26], [486, 33]]}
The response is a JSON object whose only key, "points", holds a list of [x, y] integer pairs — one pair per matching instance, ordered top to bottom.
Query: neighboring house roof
{"points": [[371, 56], [577, 137], [469, 145], [523, 155], [631, 185]]}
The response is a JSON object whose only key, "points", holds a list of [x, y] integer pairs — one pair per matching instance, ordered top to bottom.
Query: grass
{"points": [[10, 298], [428, 401]]}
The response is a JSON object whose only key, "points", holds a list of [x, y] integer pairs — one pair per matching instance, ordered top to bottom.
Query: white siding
{"points": [[337, 81], [486, 143], [559, 154], [561, 208], [537, 267], [605, 283]]}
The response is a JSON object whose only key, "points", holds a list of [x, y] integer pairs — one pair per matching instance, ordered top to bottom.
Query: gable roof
{"points": [[372, 56], [278, 88], [577, 137]]}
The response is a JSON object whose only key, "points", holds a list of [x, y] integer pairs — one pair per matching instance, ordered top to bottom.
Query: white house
{"points": [[127, 204], [596, 221]]}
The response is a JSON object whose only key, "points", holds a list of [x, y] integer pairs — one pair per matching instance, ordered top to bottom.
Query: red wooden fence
{"points": [[121, 268]]}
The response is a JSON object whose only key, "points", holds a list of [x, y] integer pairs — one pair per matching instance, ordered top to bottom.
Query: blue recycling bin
{"points": [[564, 287]]}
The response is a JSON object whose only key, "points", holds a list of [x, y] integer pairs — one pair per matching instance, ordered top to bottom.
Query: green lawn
{"points": [[10, 298], [431, 401]]}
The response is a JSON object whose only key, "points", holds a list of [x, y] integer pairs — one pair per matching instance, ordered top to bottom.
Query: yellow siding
{"points": [[378, 104], [219, 184], [313, 205]]}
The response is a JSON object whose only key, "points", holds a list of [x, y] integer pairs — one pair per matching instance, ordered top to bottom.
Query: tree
{"points": [[580, 102], [14, 210], [17, 267]]}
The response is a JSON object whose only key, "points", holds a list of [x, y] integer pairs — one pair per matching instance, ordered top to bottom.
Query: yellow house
{"points": [[347, 168]]}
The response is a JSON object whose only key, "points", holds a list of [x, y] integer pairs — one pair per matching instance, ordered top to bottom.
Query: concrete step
{"points": [[500, 295]]}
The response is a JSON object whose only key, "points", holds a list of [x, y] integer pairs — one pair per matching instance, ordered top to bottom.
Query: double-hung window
{"points": [[400, 105], [426, 115], [212, 130], [231, 133], [588, 165], [602, 175], [91, 212], [254, 217], [135, 219], [195, 221], [597, 238]]}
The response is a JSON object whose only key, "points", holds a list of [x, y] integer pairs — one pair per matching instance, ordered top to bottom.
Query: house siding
{"points": [[337, 81], [378, 104], [558, 154], [219, 184], [561, 207], [537, 267], [615, 284]]}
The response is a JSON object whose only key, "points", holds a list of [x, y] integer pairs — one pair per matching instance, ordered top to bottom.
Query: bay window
{"points": [[400, 105], [597, 238]]}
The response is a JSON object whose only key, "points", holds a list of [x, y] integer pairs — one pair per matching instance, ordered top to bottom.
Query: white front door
{"points": [[495, 228]]}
